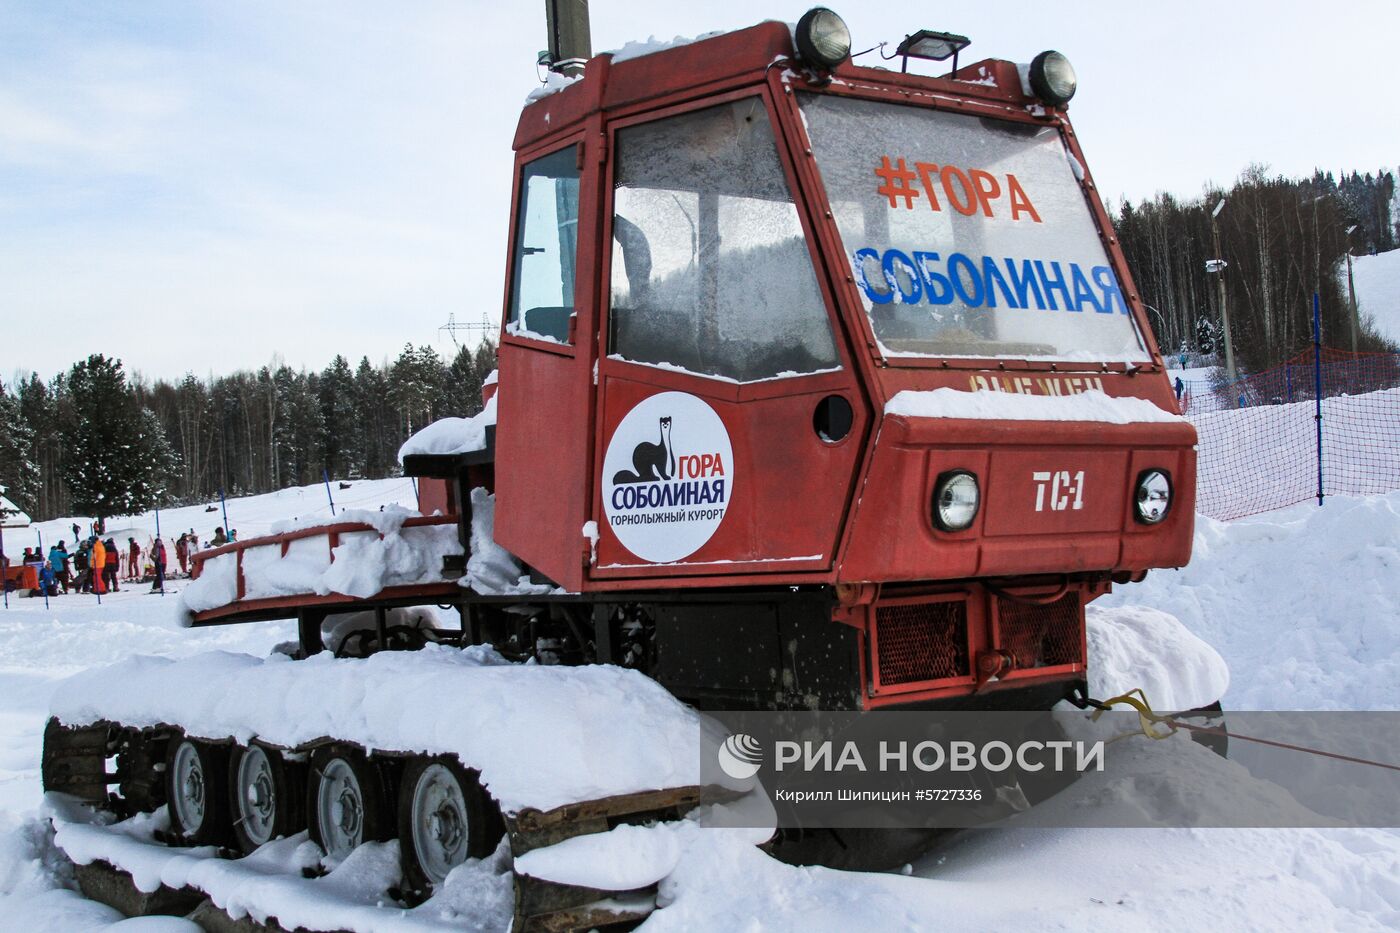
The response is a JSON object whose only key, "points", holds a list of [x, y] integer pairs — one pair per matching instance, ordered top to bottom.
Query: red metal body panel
{"points": [[544, 405], [805, 511], [892, 532]]}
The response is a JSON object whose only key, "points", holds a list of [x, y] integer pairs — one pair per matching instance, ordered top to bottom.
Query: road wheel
{"points": [[196, 773], [267, 796], [346, 802], [445, 818]]}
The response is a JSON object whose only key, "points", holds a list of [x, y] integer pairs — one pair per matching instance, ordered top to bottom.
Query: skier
{"points": [[1180, 387], [220, 539], [182, 552], [158, 558], [97, 560], [133, 560], [58, 561], [112, 567], [48, 583]]}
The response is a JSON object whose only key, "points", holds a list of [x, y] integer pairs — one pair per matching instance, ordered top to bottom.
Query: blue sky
{"points": [[202, 186]]}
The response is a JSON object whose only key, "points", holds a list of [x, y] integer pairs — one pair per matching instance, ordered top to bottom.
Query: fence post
{"points": [[1317, 386]]}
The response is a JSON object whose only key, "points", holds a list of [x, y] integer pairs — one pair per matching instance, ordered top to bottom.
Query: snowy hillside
{"points": [[1378, 290], [250, 516], [1301, 604]]}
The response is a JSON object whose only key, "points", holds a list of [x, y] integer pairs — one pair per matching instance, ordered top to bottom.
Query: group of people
{"points": [[99, 565], [95, 566]]}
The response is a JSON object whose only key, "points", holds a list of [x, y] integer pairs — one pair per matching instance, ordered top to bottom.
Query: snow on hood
{"points": [[986, 405]]}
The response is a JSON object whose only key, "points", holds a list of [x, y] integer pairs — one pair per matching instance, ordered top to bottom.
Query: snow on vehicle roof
{"points": [[651, 45], [555, 82], [986, 405], [452, 435]]}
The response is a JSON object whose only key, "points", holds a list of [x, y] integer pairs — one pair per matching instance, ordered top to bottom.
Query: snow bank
{"points": [[983, 404], [452, 435], [1301, 603], [1136, 647], [542, 736], [631, 856]]}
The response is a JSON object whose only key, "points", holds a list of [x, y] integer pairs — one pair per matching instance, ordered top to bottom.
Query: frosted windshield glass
{"points": [[968, 237], [711, 271]]}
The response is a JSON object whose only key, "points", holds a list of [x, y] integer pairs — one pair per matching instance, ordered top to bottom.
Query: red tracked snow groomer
{"points": [[728, 260], [822, 386]]}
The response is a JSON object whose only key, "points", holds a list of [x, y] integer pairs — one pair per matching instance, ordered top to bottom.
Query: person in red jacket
{"points": [[182, 552], [133, 560], [113, 566]]}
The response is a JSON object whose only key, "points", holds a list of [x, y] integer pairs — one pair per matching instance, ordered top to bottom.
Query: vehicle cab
{"points": [[778, 321]]}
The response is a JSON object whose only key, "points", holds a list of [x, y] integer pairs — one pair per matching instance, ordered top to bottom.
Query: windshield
{"points": [[968, 237]]}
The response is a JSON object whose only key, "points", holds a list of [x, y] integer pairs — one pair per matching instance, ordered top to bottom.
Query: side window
{"points": [[546, 248], [710, 270]]}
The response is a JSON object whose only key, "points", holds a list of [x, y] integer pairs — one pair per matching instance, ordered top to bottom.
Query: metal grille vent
{"points": [[1041, 636], [924, 641]]}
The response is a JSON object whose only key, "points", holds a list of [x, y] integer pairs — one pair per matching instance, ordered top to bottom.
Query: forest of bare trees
{"points": [[1283, 238]]}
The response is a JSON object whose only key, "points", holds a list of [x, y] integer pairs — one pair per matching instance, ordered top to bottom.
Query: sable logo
{"points": [[668, 477], [740, 756]]}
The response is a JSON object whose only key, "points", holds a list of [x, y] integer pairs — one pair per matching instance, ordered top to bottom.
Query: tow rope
{"points": [[1148, 721]]}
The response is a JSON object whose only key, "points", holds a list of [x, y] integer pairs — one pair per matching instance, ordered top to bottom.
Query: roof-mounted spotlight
{"points": [[822, 38], [934, 46], [1052, 78]]}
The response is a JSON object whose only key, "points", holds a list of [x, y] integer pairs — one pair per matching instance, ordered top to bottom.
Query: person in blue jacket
{"points": [[58, 563]]}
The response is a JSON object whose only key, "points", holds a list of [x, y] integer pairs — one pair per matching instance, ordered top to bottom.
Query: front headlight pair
{"points": [[956, 498]]}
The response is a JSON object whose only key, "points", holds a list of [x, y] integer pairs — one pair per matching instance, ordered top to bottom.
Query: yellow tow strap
{"points": [[1146, 717]]}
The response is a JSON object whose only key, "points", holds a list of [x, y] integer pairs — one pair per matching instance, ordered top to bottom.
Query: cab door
{"points": [[546, 355], [730, 419]]}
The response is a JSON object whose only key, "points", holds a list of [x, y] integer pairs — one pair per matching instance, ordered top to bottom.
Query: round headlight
{"points": [[822, 38], [1053, 79], [1153, 497], [955, 500]]}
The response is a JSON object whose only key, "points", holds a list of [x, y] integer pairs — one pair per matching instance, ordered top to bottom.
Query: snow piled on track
{"points": [[1301, 603], [626, 732]]}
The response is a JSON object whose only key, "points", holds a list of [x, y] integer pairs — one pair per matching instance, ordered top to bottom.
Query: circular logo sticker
{"points": [[667, 477]]}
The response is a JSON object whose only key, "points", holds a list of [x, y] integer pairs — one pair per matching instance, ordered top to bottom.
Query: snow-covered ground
{"points": [[1377, 281], [1300, 603]]}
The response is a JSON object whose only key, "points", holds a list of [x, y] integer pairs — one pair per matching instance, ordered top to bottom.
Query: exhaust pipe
{"points": [[570, 45]]}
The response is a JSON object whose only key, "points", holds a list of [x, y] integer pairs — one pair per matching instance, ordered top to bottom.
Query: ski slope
{"points": [[1377, 280], [250, 516], [1300, 604]]}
